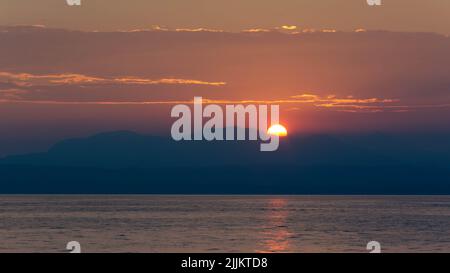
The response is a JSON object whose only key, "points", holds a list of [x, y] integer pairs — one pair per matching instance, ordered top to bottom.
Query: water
{"points": [[224, 224]]}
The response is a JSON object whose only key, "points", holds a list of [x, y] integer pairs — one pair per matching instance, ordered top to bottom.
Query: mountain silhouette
{"points": [[128, 149], [127, 162]]}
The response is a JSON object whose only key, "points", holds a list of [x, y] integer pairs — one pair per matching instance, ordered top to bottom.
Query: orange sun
{"points": [[277, 130]]}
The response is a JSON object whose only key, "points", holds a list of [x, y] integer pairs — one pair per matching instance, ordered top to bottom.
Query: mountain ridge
{"points": [[124, 162]]}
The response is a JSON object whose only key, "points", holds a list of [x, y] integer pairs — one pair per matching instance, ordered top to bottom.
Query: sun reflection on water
{"points": [[275, 235]]}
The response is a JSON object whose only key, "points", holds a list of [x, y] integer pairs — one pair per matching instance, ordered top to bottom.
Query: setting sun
{"points": [[277, 130]]}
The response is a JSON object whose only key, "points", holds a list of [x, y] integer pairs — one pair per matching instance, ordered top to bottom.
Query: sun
{"points": [[277, 130]]}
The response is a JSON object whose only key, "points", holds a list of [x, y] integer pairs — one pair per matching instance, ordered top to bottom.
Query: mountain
{"points": [[123, 149], [127, 162]]}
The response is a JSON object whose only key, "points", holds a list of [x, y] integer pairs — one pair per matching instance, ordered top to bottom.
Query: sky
{"points": [[230, 15], [333, 66]]}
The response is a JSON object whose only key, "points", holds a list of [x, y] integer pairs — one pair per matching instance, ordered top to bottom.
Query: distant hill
{"points": [[127, 162]]}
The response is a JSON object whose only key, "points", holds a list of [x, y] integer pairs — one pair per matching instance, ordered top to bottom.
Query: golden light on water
{"points": [[277, 130]]}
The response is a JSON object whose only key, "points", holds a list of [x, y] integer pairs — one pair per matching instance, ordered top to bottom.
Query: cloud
{"points": [[289, 27], [197, 30], [256, 30], [289, 30], [374, 67], [28, 80], [12, 94], [299, 102], [330, 102], [348, 103], [356, 105]]}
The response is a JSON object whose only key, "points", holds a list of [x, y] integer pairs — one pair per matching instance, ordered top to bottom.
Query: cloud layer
{"points": [[29, 80], [55, 82]]}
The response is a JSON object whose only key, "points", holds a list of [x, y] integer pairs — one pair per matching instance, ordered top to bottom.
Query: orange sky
{"points": [[230, 15], [56, 84]]}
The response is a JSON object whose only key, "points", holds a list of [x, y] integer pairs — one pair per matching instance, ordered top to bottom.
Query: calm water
{"points": [[224, 224]]}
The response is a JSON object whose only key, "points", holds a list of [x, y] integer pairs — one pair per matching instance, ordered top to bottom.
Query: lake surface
{"points": [[224, 223]]}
